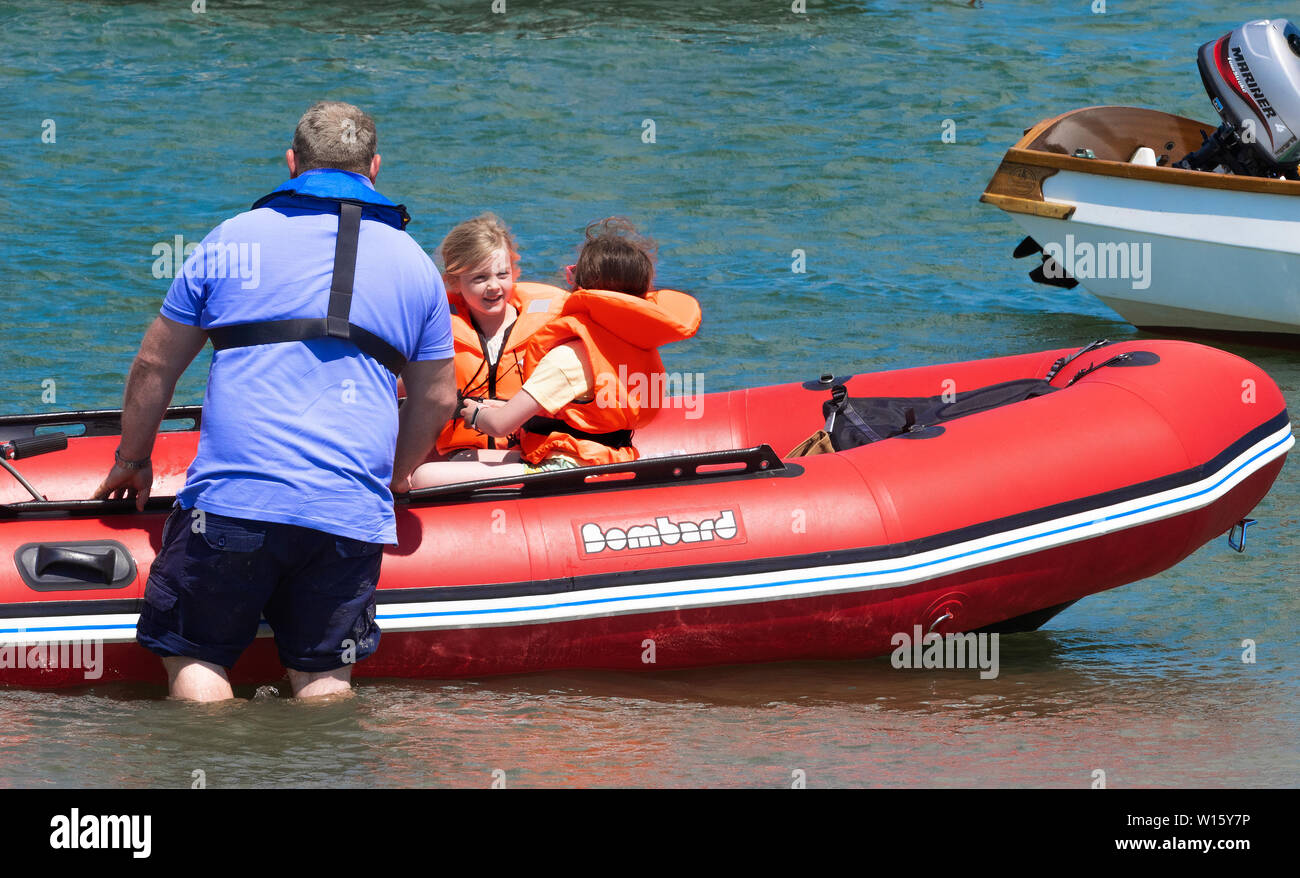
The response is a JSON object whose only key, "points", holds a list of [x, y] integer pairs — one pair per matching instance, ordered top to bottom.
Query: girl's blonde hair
{"points": [[473, 241]]}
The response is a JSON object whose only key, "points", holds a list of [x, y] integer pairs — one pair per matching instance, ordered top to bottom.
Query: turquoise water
{"points": [[773, 132]]}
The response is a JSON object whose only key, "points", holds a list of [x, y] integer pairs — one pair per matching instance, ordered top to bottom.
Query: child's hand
{"points": [[467, 407]]}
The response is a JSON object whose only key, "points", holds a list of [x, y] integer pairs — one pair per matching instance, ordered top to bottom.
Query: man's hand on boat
{"points": [[167, 348], [130, 483]]}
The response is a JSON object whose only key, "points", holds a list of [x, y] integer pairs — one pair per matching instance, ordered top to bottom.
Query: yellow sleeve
{"points": [[562, 376]]}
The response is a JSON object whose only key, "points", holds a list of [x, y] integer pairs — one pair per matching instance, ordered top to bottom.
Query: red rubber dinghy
{"points": [[711, 545]]}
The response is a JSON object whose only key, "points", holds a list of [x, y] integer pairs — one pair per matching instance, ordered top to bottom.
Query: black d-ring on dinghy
{"points": [[1237, 536]]}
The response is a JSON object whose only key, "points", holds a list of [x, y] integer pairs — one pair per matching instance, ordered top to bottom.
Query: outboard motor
{"points": [[1253, 78]]}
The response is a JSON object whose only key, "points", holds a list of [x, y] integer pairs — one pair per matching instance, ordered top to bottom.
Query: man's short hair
{"points": [[332, 134]]}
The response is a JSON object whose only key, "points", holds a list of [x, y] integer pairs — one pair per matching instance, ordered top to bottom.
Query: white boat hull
{"points": [[1198, 258]]}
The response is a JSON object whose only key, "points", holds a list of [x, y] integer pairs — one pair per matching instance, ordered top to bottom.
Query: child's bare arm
{"points": [[500, 420]]}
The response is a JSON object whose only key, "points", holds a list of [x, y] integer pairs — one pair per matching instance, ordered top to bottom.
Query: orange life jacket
{"points": [[536, 304], [621, 334]]}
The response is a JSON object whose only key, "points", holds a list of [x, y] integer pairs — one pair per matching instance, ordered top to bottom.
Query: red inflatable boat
{"points": [[712, 548]]}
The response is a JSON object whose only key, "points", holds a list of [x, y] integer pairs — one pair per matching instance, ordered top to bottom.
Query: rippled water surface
{"points": [[773, 132]]}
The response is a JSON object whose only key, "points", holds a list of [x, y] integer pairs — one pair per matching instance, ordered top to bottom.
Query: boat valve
{"points": [[1237, 536], [945, 609], [935, 624]]}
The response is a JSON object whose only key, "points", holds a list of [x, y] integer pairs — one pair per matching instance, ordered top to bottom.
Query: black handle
{"points": [[20, 448], [72, 562]]}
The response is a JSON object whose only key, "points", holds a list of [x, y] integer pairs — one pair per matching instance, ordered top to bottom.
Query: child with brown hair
{"points": [[575, 407]]}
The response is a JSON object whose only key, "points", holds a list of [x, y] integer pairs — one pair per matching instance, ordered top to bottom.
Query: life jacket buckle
{"points": [[337, 327]]}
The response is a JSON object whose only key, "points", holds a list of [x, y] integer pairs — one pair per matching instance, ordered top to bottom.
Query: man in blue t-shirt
{"points": [[289, 500]]}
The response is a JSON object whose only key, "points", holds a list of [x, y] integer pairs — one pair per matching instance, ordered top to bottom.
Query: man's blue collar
{"points": [[334, 183], [320, 191]]}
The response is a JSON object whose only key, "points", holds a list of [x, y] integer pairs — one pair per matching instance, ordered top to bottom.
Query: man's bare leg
{"points": [[194, 680], [314, 684]]}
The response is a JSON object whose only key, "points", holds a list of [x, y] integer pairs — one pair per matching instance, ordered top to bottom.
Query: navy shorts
{"points": [[216, 577]]}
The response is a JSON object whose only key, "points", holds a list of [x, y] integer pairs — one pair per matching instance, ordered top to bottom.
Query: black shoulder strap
{"points": [[336, 323], [491, 364]]}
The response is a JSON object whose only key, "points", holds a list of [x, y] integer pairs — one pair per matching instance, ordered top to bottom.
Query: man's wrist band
{"points": [[130, 464]]}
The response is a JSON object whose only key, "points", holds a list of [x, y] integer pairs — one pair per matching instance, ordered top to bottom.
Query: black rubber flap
{"points": [[1137, 358], [826, 381]]}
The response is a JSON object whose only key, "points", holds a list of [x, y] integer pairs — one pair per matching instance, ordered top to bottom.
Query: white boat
{"points": [[1112, 197]]}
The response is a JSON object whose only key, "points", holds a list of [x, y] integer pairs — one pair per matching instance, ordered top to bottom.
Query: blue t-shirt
{"points": [[304, 432]]}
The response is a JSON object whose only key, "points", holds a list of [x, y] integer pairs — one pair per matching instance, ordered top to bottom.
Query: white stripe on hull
{"points": [[749, 587]]}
